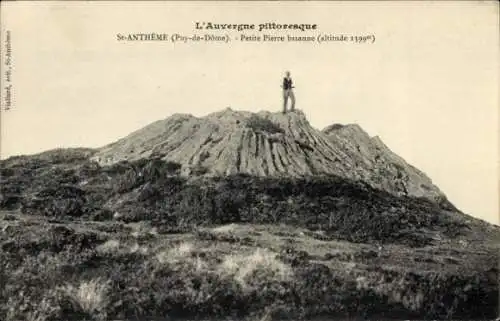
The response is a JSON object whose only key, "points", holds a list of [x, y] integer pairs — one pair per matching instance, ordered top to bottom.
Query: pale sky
{"points": [[428, 86]]}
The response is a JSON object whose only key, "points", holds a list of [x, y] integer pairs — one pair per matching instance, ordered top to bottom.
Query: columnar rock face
{"points": [[271, 144]]}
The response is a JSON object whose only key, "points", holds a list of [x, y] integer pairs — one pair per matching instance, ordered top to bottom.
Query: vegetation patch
{"points": [[261, 124], [154, 191]]}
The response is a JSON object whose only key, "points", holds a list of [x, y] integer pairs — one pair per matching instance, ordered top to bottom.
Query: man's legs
{"points": [[292, 98], [285, 100]]}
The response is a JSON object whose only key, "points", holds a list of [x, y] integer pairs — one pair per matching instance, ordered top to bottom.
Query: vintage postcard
{"points": [[249, 160]]}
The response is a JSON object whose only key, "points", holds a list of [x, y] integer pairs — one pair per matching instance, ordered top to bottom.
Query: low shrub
{"points": [[258, 123], [88, 298]]}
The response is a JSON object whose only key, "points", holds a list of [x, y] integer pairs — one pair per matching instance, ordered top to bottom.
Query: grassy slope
{"points": [[135, 240]]}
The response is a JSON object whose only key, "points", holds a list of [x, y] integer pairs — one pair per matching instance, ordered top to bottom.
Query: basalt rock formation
{"points": [[272, 145]]}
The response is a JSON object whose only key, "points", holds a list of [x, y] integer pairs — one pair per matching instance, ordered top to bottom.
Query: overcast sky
{"points": [[428, 86]]}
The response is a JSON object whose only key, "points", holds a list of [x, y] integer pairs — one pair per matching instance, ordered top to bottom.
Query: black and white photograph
{"points": [[249, 160]]}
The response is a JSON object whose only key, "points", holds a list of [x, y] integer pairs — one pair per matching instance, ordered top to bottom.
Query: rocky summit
{"points": [[271, 144]]}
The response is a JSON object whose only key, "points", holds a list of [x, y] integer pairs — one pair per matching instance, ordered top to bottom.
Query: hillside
{"points": [[237, 215]]}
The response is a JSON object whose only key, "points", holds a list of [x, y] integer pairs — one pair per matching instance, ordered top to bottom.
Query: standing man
{"points": [[288, 92]]}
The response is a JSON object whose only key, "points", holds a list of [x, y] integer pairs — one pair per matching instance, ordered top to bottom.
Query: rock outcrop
{"points": [[271, 144]]}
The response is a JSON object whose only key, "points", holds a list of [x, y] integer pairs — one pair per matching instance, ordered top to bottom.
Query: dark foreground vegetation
{"points": [[153, 190], [83, 242]]}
